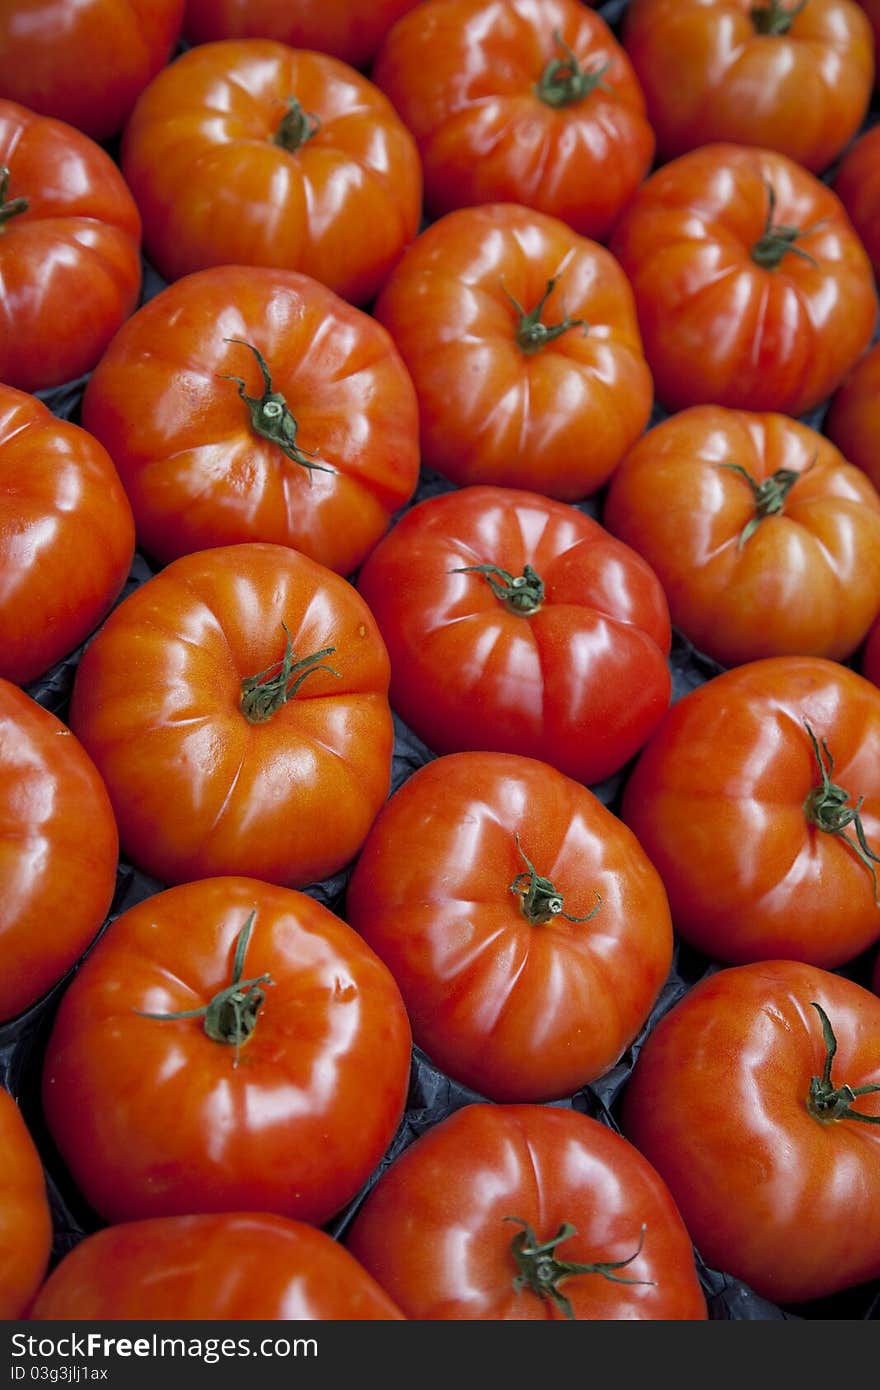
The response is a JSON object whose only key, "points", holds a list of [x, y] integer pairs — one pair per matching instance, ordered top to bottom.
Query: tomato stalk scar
{"points": [[772, 18], [564, 81], [296, 127], [9, 207], [778, 238], [531, 333], [271, 417], [769, 495], [521, 594], [263, 694], [826, 808], [540, 900], [830, 1102], [541, 1272]]}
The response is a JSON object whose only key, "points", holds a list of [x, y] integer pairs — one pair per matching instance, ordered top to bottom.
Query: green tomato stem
{"points": [[265, 693], [827, 1101], [540, 1271]]}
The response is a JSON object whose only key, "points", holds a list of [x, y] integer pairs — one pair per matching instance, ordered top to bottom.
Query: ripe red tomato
{"points": [[348, 29], [85, 62], [780, 74], [519, 101], [249, 152], [857, 185], [70, 267], [752, 287], [523, 344], [250, 404], [852, 420], [66, 536], [765, 539], [518, 624], [236, 705], [758, 800], [58, 850], [528, 932], [226, 1046], [739, 1101], [551, 1215], [25, 1217], [166, 1268]]}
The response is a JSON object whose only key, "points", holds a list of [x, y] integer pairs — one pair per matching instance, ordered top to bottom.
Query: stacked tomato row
{"points": [[439, 709]]}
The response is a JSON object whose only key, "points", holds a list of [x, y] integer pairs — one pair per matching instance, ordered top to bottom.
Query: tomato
{"points": [[872, 10], [348, 29], [86, 62], [781, 74], [519, 101], [250, 152], [857, 185], [70, 267], [752, 287], [523, 343], [250, 404], [852, 420], [66, 536], [764, 538], [516, 623], [871, 655], [236, 705], [758, 800], [58, 850], [528, 932], [227, 1045], [738, 1099], [552, 1215], [25, 1217]]}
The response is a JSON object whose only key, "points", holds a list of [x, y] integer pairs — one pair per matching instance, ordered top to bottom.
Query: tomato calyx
{"points": [[772, 18], [564, 81], [296, 127], [9, 207], [779, 238], [531, 333], [271, 417], [769, 495], [523, 593], [264, 693], [826, 808], [540, 900], [231, 1015], [830, 1102], [541, 1272]]}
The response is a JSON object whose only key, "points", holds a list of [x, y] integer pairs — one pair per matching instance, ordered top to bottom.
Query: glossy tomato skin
{"points": [[345, 28], [85, 63], [466, 76], [803, 90], [857, 185], [215, 187], [70, 267], [718, 328], [501, 400], [165, 401], [852, 420], [66, 536], [804, 581], [579, 683], [198, 785], [718, 798], [58, 850], [518, 1004], [718, 1103], [154, 1117], [25, 1216], [442, 1249], [166, 1269]]}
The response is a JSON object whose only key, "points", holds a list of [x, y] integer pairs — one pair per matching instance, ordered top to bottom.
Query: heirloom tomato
{"points": [[349, 29], [84, 62], [782, 74], [519, 101], [249, 152], [857, 185], [70, 266], [752, 286], [522, 341], [251, 404], [852, 420], [765, 539], [516, 623], [871, 655], [236, 705], [758, 801], [58, 850], [528, 932], [228, 1045], [767, 1137], [516, 1212], [25, 1217], [168, 1268]]}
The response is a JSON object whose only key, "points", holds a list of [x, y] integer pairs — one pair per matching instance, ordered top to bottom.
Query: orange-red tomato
{"points": [[872, 10], [349, 29], [780, 74], [521, 101], [249, 152], [857, 185], [70, 235], [522, 341], [244, 403], [852, 420], [765, 539], [58, 850], [25, 1216]]}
